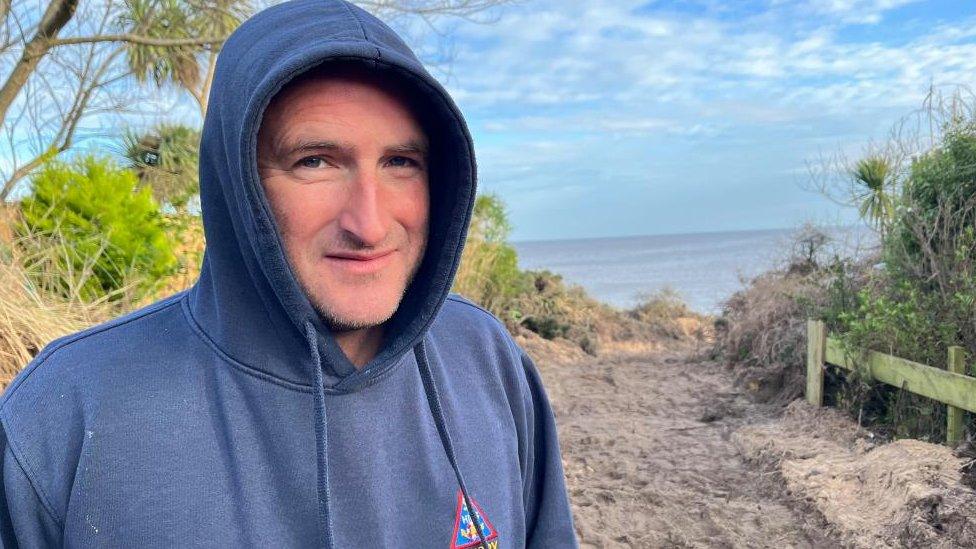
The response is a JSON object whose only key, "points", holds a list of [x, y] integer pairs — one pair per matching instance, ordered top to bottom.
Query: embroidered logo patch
{"points": [[465, 533]]}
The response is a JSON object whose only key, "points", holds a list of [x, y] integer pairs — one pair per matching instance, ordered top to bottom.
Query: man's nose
{"points": [[362, 216]]}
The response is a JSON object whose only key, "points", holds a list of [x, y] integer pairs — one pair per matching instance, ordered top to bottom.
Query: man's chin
{"points": [[356, 316], [339, 323]]}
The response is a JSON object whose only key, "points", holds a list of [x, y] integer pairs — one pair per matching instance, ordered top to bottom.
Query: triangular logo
{"points": [[465, 533]]}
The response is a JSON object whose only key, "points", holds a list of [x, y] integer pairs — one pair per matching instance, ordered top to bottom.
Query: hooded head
{"points": [[343, 162], [256, 298]]}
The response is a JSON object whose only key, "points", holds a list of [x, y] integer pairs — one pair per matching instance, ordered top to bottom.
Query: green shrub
{"points": [[111, 235], [489, 273], [540, 301], [921, 301]]}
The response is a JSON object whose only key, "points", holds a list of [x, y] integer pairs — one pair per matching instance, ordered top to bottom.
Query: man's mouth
{"points": [[360, 256], [360, 263]]}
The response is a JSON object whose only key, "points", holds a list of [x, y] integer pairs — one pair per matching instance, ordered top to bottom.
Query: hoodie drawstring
{"points": [[433, 399], [321, 434], [321, 440]]}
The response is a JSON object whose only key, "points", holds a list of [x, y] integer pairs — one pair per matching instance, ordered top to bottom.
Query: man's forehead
{"points": [[329, 80], [330, 85]]}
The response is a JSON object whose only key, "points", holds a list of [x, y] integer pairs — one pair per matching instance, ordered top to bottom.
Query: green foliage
{"points": [[176, 19], [166, 159], [877, 205], [489, 222], [110, 231], [489, 272], [537, 301], [921, 302]]}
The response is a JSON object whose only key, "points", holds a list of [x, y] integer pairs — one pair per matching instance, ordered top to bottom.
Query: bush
{"points": [[113, 236], [489, 272], [915, 299], [922, 301], [661, 311], [762, 331]]}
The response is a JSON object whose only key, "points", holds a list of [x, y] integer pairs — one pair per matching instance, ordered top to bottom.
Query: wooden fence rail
{"points": [[949, 386]]}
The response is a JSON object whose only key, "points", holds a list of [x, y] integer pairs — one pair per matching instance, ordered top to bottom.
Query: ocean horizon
{"points": [[703, 268]]}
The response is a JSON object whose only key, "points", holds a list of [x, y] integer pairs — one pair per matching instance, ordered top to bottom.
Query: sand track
{"points": [[649, 458]]}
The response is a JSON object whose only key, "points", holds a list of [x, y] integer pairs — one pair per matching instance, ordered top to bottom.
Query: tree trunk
{"points": [[57, 15]]}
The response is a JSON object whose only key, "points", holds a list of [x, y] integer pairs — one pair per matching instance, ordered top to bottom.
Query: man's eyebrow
{"points": [[412, 146], [287, 148]]}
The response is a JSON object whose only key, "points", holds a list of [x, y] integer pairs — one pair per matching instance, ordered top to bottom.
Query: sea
{"points": [[704, 269]]}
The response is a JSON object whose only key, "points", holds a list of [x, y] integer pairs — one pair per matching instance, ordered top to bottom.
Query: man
{"points": [[317, 387]]}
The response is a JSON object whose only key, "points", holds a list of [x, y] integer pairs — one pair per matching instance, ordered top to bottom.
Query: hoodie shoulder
{"points": [[463, 305], [467, 318], [474, 329], [79, 356], [73, 375], [80, 380]]}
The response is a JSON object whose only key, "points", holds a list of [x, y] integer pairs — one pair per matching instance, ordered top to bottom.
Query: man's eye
{"points": [[312, 162], [403, 162]]}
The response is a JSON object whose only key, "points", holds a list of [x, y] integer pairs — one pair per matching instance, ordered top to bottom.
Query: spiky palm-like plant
{"points": [[189, 67], [166, 159], [874, 175]]}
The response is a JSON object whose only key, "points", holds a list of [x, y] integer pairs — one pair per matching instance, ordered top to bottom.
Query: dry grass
{"points": [[189, 250], [40, 302], [667, 314], [29, 317], [595, 326], [762, 333], [905, 493]]}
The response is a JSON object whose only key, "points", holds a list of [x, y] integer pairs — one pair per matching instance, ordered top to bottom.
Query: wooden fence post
{"points": [[816, 348], [956, 364]]}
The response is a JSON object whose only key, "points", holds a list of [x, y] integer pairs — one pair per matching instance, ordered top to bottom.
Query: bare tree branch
{"points": [[456, 8], [57, 15], [142, 40], [89, 67], [64, 138]]}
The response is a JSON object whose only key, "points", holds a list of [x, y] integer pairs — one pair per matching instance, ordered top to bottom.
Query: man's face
{"points": [[343, 164]]}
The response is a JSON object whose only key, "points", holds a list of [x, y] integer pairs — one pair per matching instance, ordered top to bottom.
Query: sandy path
{"points": [[649, 462]]}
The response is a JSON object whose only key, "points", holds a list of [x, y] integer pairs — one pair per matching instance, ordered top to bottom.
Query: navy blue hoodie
{"points": [[227, 416]]}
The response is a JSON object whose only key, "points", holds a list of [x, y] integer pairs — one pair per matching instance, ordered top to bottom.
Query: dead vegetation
{"points": [[40, 300], [567, 313], [29, 316], [761, 332], [905, 493]]}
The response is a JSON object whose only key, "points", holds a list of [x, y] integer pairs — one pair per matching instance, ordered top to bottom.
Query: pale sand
{"points": [[660, 450], [649, 462]]}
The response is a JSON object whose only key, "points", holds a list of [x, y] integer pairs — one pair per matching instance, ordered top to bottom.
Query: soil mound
{"points": [[905, 493]]}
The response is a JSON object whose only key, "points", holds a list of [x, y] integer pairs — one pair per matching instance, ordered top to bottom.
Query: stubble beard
{"points": [[338, 324]]}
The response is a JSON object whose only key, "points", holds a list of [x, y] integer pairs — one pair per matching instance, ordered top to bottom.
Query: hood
{"points": [[247, 299]]}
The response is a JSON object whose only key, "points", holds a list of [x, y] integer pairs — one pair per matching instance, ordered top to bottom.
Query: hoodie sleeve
{"points": [[548, 517], [24, 519]]}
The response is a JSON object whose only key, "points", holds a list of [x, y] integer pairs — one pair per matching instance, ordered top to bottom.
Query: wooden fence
{"points": [[949, 386]]}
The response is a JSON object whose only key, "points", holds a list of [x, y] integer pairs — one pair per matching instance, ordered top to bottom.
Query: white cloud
{"points": [[867, 12], [581, 52], [604, 95]]}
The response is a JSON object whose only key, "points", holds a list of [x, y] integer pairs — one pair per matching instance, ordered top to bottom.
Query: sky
{"points": [[629, 117], [599, 118]]}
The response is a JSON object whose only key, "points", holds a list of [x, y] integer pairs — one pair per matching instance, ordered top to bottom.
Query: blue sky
{"points": [[599, 118]]}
